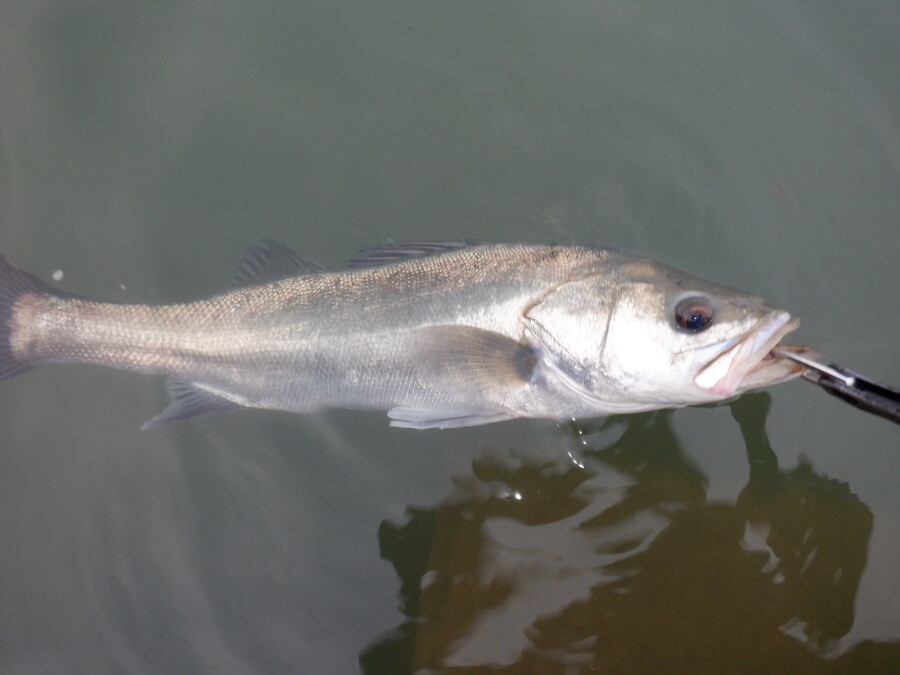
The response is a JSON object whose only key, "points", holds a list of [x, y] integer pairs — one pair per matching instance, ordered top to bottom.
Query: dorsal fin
{"points": [[392, 251], [268, 261]]}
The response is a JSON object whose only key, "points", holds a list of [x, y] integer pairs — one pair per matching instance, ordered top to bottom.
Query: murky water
{"points": [[142, 147]]}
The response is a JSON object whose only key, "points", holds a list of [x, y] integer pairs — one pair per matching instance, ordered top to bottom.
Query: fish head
{"points": [[660, 337]]}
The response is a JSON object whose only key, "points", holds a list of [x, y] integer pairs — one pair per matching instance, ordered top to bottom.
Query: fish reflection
{"points": [[624, 565]]}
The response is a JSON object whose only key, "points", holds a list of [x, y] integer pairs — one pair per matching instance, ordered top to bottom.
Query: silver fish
{"points": [[439, 334]]}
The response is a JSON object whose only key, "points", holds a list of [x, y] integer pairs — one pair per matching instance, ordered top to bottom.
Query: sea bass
{"points": [[439, 334]]}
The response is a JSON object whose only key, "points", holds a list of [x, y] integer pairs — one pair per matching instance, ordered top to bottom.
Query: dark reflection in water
{"points": [[616, 561]]}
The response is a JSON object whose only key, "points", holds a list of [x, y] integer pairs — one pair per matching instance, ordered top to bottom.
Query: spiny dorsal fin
{"points": [[391, 251], [268, 261], [187, 400]]}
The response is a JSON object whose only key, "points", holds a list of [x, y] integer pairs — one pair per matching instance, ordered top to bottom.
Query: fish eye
{"points": [[693, 314]]}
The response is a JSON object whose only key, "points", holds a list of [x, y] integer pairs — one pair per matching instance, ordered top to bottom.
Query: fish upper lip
{"points": [[725, 372]]}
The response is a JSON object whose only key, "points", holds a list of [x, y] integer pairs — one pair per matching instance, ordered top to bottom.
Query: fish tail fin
{"points": [[14, 283]]}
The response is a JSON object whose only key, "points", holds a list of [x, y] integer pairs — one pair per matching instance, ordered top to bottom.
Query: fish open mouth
{"points": [[749, 362]]}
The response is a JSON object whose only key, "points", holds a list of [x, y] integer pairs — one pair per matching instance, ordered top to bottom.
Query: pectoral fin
{"points": [[475, 363], [478, 372], [188, 401]]}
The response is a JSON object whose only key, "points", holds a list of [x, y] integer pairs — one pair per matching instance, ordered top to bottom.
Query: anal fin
{"points": [[188, 401]]}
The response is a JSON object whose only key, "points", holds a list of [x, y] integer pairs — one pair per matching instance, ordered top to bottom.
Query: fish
{"points": [[438, 334]]}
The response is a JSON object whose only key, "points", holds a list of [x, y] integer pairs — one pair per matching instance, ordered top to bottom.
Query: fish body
{"points": [[438, 334]]}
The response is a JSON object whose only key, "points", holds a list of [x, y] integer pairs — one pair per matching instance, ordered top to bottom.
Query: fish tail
{"points": [[14, 285]]}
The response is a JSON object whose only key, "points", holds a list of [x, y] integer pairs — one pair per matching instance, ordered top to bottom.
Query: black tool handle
{"points": [[865, 393]]}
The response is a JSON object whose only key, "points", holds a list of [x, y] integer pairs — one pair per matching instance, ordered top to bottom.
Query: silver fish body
{"points": [[438, 334]]}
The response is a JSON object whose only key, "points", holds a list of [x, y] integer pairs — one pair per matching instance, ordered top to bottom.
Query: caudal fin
{"points": [[14, 283]]}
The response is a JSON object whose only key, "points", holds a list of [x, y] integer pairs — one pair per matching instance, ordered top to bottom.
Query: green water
{"points": [[144, 145]]}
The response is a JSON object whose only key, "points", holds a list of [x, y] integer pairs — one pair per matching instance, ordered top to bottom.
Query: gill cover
{"points": [[568, 325]]}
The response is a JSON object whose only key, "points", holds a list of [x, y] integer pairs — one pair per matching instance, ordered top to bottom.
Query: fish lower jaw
{"points": [[750, 362], [770, 369], [722, 377], [720, 391]]}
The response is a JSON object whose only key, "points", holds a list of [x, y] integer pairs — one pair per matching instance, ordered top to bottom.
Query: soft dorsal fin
{"points": [[392, 251], [268, 261]]}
